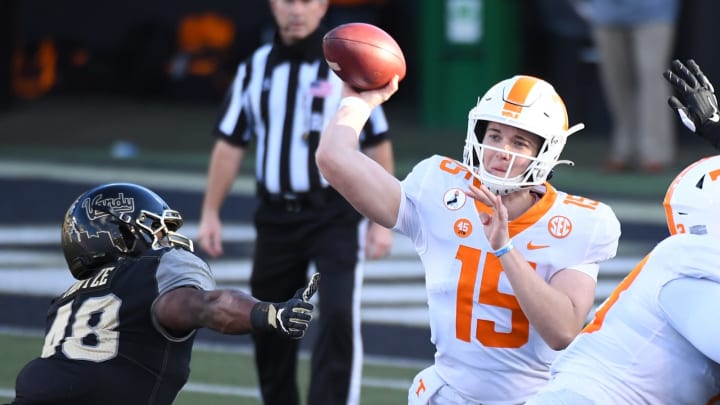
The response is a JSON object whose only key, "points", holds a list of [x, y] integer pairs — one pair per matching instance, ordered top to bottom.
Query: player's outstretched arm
{"points": [[695, 101], [369, 187], [234, 312]]}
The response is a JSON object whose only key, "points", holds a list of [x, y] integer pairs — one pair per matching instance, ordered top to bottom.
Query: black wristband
{"points": [[259, 316]]}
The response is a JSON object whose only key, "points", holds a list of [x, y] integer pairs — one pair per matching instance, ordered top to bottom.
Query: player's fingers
{"points": [[695, 69], [685, 74], [678, 83], [389, 89], [349, 91], [675, 104], [682, 111], [477, 194], [495, 200], [499, 210], [484, 218], [311, 288], [301, 315]]}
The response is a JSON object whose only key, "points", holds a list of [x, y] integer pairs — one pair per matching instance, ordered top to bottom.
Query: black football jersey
{"points": [[102, 345]]}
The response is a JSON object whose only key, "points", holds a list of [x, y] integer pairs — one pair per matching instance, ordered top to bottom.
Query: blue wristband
{"points": [[508, 247]]}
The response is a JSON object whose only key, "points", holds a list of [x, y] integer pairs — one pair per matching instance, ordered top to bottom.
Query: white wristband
{"points": [[356, 102], [508, 247]]}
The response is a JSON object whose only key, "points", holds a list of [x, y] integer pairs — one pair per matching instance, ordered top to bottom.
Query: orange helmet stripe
{"points": [[515, 99]]}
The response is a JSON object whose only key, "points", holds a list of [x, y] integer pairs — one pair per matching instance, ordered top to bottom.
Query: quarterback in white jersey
{"points": [[510, 263], [655, 339], [486, 347]]}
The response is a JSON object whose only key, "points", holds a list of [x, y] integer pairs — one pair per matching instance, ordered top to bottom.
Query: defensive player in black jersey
{"points": [[123, 333]]}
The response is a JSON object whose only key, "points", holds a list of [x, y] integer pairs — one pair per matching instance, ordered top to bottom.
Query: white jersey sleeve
{"points": [[691, 306], [646, 332], [486, 348]]}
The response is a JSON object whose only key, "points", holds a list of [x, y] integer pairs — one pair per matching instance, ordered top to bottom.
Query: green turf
{"points": [[225, 369], [190, 398]]}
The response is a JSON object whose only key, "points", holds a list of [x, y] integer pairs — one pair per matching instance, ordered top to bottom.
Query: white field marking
{"points": [[83, 174], [247, 350], [202, 388], [217, 389], [252, 392]]}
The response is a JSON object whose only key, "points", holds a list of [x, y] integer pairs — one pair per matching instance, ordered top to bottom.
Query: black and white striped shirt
{"points": [[283, 97]]}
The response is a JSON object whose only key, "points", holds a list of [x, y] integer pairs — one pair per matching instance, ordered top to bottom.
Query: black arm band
{"points": [[259, 316]]}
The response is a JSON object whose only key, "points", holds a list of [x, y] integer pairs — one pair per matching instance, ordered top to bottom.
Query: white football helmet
{"points": [[527, 103], [693, 199]]}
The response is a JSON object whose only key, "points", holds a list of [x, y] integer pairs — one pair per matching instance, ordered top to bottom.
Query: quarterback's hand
{"points": [[373, 98], [695, 102], [494, 224], [290, 318]]}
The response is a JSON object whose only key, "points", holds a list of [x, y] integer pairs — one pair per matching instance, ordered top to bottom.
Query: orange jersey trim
{"points": [[529, 217]]}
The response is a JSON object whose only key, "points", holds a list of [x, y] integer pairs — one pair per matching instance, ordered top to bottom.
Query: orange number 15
{"points": [[489, 295]]}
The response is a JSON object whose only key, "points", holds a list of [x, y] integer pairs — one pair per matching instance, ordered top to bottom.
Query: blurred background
{"points": [[187, 50], [81, 55], [93, 91]]}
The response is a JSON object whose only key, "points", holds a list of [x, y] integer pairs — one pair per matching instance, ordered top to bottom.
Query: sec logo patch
{"points": [[560, 226]]}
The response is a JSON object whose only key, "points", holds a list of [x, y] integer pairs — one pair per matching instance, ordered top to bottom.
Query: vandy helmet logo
{"points": [[119, 204]]}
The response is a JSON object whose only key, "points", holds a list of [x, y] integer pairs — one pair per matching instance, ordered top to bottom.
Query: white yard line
{"points": [[252, 392]]}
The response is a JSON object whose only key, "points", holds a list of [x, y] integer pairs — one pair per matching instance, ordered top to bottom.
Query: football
{"points": [[363, 55]]}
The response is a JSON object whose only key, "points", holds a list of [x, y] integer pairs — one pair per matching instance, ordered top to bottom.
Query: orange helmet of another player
{"points": [[527, 103], [693, 199]]}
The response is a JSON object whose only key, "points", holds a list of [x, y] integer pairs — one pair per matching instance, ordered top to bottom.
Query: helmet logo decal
{"points": [[516, 98], [454, 199], [119, 204], [560, 226], [463, 227]]}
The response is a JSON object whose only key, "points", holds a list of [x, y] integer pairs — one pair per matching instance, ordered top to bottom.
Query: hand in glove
{"points": [[695, 102], [290, 318]]}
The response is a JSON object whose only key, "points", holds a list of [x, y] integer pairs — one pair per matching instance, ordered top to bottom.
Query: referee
{"points": [[282, 97]]}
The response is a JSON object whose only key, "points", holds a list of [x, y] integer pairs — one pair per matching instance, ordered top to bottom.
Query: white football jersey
{"points": [[485, 347], [630, 353]]}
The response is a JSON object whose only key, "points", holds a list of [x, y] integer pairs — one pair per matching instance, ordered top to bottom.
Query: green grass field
{"points": [[221, 377]]}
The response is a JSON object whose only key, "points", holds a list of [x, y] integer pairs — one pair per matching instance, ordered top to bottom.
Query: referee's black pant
{"points": [[319, 227]]}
